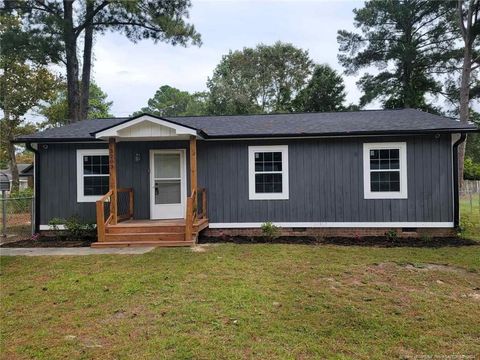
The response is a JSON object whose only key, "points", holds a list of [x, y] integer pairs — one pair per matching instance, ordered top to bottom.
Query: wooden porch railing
{"points": [[123, 214], [193, 214]]}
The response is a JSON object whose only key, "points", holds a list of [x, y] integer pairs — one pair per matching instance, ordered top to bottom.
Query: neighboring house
{"points": [[342, 173], [25, 174]]}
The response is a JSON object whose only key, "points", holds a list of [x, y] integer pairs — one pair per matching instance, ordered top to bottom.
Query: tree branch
{"points": [[89, 19]]}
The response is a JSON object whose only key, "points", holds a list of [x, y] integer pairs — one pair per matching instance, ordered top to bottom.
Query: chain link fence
{"points": [[470, 195], [16, 218]]}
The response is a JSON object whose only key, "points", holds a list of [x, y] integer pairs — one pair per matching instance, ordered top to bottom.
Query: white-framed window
{"points": [[385, 170], [268, 172], [92, 174]]}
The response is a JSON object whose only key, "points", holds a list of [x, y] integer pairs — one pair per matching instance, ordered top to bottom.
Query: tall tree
{"points": [[68, 20], [469, 25], [408, 41], [262, 79], [25, 81], [22, 87], [325, 91], [170, 101], [56, 110]]}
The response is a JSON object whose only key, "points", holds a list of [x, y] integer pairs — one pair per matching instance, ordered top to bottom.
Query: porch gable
{"points": [[146, 127]]}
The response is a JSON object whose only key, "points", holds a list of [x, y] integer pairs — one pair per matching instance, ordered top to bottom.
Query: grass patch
{"points": [[470, 216], [243, 301]]}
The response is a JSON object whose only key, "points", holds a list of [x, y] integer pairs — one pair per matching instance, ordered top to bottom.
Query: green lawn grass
{"points": [[470, 216], [260, 301]]}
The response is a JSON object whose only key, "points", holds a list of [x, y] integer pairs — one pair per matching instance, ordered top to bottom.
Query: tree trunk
{"points": [[87, 63], [73, 91], [465, 93], [12, 160]]}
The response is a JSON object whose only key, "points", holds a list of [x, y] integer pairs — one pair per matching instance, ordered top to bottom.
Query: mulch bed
{"points": [[375, 241], [48, 242]]}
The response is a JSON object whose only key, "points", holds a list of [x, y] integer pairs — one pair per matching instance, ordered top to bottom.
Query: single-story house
{"points": [[25, 174], [153, 180]]}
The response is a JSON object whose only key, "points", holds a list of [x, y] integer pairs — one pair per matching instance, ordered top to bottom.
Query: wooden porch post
{"points": [[112, 168], [193, 168]]}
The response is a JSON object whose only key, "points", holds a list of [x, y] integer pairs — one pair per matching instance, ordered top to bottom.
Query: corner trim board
{"points": [[334, 225]]}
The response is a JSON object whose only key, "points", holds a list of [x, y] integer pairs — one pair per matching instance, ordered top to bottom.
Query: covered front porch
{"points": [[153, 196]]}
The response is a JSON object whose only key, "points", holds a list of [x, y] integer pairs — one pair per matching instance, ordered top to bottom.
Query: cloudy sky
{"points": [[131, 73]]}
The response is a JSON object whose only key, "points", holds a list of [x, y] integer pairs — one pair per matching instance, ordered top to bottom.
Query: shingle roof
{"points": [[293, 124]]}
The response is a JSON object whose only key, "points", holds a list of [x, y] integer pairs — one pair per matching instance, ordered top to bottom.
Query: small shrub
{"points": [[54, 223], [465, 226], [74, 228], [78, 230], [270, 231], [391, 235], [426, 238]]}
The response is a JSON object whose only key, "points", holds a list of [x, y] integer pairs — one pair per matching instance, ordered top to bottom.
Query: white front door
{"points": [[168, 185]]}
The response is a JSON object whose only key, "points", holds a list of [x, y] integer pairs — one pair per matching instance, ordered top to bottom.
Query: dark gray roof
{"points": [[293, 124], [24, 170]]}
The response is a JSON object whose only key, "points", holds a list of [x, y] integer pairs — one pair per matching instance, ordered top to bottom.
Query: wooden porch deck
{"points": [[150, 233]]}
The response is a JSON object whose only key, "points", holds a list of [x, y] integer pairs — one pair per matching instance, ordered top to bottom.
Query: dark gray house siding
{"points": [[325, 176], [326, 182], [58, 183]]}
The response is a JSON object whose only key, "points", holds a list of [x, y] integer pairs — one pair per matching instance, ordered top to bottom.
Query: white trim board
{"points": [[80, 175], [367, 192], [252, 194], [244, 225], [59, 227]]}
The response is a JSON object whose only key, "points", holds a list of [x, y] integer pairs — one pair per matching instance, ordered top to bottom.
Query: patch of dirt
{"points": [[377, 241], [48, 242], [201, 248], [418, 267]]}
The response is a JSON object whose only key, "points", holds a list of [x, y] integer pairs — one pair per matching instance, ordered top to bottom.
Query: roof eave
{"points": [[347, 134], [269, 135]]}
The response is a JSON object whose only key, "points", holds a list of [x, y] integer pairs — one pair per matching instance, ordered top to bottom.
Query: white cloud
{"points": [[131, 73]]}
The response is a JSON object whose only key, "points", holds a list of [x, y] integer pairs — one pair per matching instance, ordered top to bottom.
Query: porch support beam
{"points": [[112, 168], [193, 168]]}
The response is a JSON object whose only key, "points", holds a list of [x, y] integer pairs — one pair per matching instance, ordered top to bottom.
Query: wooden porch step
{"points": [[131, 229], [159, 236], [106, 244]]}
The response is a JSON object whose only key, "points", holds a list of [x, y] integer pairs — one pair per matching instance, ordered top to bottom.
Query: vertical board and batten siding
{"points": [[325, 177], [326, 182], [58, 184]]}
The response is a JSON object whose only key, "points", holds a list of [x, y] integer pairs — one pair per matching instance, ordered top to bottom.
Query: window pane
{"points": [[394, 154], [384, 164], [167, 166], [268, 166], [277, 166], [385, 181], [268, 183], [95, 185], [395, 186], [167, 191]]}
